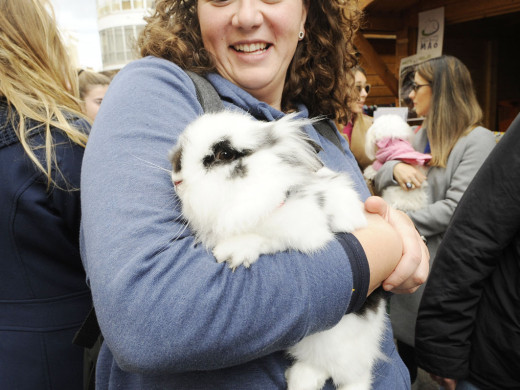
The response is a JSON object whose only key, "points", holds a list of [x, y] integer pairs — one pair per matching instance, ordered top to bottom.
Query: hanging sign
{"points": [[430, 34], [430, 37]]}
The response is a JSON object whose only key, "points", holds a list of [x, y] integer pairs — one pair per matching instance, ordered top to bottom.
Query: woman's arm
{"points": [[465, 160], [385, 176], [398, 234], [163, 303]]}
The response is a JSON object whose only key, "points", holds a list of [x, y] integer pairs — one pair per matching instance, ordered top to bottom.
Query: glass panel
{"points": [[127, 4], [116, 5], [130, 43], [119, 45], [104, 47], [111, 47]]}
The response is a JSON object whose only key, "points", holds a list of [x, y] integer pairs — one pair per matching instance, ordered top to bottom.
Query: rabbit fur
{"points": [[394, 127], [270, 192]]}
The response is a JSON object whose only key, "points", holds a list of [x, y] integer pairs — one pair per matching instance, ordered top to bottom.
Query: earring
{"points": [[301, 35]]}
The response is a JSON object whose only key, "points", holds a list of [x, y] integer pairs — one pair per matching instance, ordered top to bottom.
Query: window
{"points": [[126, 4], [116, 5], [130, 43], [119, 45], [104, 46]]}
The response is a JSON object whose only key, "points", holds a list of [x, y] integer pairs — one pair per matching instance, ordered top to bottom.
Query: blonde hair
{"points": [[319, 74], [37, 78], [89, 79], [454, 109]]}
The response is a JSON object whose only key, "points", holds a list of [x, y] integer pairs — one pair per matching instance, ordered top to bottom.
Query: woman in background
{"points": [[92, 89], [355, 131], [452, 133], [43, 294]]}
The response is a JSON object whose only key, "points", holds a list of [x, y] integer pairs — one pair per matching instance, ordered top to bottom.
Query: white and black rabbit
{"points": [[248, 188]]}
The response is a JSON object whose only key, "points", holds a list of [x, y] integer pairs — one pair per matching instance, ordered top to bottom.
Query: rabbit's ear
{"points": [[175, 156]]}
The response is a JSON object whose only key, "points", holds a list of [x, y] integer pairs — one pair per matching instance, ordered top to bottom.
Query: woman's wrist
{"points": [[383, 248]]}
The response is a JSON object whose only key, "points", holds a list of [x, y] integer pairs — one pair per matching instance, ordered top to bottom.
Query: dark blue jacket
{"points": [[43, 294]]}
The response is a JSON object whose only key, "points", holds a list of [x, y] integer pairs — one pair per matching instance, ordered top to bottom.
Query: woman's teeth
{"points": [[250, 48]]}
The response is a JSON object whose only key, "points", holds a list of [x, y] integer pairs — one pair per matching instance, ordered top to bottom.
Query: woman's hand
{"points": [[408, 176], [413, 268]]}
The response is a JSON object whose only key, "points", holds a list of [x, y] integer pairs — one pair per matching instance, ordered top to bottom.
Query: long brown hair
{"points": [[319, 74], [37, 78], [454, 109]]}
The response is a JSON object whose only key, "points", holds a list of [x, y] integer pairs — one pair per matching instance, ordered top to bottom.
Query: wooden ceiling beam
{"points": [[365, 3], [455, 11], [458, 11], [376, 22], [376, 63]]}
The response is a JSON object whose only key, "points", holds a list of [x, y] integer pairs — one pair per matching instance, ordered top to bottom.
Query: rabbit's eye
{"points": [[225, 155]]}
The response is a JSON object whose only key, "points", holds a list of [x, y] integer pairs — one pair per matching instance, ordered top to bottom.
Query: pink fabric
{"points": [[347, 130], [398, 149]]}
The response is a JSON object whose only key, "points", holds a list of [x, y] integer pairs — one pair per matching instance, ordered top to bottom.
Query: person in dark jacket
{"points": [[43, 294], [468, 328]]}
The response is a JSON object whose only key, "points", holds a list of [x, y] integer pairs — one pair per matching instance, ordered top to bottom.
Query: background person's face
{"points": [[253, 42], [360, 82], [422, 97], [92, 100]]}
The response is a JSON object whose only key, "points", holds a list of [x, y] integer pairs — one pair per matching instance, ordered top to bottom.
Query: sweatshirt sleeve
{"points": [[385, 176], [484, 225], [163, 303]]}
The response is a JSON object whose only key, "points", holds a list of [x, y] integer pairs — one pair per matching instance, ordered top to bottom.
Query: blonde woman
{"points": [[92, 89], [443, 94], [43, 294]]}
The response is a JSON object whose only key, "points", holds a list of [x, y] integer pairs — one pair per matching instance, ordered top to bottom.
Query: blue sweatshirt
{"points": [[171, 316]]}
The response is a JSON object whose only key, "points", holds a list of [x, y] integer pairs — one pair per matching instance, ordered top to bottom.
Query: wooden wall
{"points": [[488, 43], [380, 94]]}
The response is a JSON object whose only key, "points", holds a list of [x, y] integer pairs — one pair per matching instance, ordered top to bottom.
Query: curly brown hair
{"points": [[319, 74]]}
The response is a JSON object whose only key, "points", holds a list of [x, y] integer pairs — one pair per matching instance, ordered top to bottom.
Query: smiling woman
{"points": [[251, 47], [171, 315]]}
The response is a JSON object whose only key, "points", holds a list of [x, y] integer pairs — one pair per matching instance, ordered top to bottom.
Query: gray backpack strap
{"points": [[208, 97], [210, 101], [326, 129]]}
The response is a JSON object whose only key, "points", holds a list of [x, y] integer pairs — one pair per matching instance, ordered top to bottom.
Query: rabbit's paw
{"points": [[239, 250], [302, 376]]}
